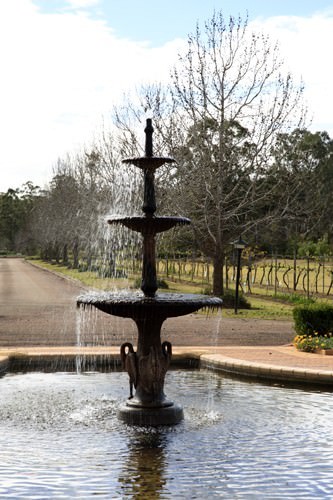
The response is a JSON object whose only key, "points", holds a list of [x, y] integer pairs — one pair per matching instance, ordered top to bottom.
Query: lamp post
{"points": [[239, 245]]}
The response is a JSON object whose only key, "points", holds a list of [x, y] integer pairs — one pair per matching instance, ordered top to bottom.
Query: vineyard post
{"points": [[308, 278]]}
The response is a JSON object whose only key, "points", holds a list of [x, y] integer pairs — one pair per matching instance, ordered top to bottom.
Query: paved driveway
{"points": [[38, 307]]}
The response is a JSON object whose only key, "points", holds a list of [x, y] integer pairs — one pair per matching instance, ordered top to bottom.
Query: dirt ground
{"points": [[38, 308]]}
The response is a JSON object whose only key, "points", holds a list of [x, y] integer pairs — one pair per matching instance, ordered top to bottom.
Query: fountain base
{"points": [[151, 416]]}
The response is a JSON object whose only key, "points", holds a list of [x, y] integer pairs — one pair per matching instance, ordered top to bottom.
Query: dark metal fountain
{"points": [[148, 365]]}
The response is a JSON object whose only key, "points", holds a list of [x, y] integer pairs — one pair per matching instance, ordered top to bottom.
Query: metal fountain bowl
{"points": [[151, 224], [136, 304]]}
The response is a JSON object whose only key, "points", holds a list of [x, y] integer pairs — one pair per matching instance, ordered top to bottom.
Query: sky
{"points": [[65, 63]]}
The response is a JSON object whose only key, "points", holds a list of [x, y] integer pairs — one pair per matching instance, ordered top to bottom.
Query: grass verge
{"points": [[261, 307]]}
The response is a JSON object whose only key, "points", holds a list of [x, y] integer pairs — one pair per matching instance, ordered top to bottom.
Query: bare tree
{"points": [[227, 102], [70, 219]]}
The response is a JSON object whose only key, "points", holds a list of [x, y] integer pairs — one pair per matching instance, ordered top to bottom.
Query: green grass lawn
{"points": [[87, 278], [262, 307]]}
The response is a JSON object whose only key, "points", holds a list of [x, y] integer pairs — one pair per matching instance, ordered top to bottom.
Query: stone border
{"points": [[324, 352], [72, 359], [4, 364], [266, 371]]}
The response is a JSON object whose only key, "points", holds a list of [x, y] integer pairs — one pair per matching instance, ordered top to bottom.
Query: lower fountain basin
{"points": [[136, 305], [60, 438]]}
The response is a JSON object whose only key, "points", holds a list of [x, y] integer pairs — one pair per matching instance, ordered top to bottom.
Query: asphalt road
{"points": [[38, 308]]}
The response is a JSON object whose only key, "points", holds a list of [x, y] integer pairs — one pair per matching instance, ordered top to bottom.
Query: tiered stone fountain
{"points": [[148, 365]]}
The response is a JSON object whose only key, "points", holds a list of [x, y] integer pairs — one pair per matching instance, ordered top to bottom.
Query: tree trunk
{"points": [[76, 254], [65, 255], [218, 288]]}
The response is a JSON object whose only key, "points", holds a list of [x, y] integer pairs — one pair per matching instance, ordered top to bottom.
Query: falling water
{"points": [[78, 358]]}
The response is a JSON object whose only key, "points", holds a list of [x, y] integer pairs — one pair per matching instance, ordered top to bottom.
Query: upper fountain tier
{"points": [[149, 162], [148, 225]]}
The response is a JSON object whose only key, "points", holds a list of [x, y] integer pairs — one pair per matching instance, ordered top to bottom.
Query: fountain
{"points": [[148, 309]]}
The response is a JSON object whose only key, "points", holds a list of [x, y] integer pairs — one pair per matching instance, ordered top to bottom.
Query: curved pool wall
{"points": [[89, 358], [4, 364], [60, 438]]}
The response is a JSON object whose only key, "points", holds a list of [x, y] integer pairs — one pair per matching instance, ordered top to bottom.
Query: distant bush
{"points": [[311, 248], [83, 268], [160, 283], [207, 290], [228, 298], [313, 318]]}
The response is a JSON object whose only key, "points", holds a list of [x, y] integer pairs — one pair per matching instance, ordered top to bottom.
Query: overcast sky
{"points": [[65, 63]]}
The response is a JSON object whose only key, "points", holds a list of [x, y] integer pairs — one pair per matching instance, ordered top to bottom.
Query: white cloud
{"points": [[79, 4], [306, 44], [60, 73]]}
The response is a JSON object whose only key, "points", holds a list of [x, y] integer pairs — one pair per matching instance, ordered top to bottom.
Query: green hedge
{"points": [[313, 318]]}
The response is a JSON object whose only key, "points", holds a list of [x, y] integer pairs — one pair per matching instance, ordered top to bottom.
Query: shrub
{"points": [[160, 283], [228, 298], [313, 318]]}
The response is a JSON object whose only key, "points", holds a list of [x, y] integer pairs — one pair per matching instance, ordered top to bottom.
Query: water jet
{"points": [[148, 365]]}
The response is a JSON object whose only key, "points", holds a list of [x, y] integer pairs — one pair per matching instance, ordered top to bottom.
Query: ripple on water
{"points": [[238, 440]]}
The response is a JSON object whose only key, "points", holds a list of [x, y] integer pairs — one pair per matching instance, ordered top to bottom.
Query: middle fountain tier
{"points": [[148, 365]]}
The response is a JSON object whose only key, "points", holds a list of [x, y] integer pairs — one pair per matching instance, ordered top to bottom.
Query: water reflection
{"points": [[144, 471]]}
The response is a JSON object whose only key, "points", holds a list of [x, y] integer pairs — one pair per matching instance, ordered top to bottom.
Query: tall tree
{"points": [[228, 100], [306, 158], [16, 208], [70, 219]]}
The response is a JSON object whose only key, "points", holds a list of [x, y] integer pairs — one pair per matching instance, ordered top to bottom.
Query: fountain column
{"points": [[149, 278]]}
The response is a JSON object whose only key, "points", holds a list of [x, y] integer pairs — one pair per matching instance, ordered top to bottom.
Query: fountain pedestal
{"points": [[147, 368]]}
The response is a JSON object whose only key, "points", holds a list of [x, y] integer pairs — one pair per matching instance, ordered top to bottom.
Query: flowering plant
{"points": [[310, 343]]}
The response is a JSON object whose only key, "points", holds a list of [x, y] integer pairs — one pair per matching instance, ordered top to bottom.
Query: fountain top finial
{"points": [[149, 138], [149, 162]]}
